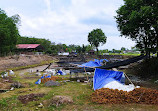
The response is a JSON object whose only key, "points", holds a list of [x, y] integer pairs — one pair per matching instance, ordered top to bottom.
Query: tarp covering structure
{"points": [[100, 61], [124, 62], [90, 64], [115, 64], [61, 72], [103, 77], [39, 80]]}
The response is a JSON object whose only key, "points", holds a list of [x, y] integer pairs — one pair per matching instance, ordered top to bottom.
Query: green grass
{"points": [[126, 54], [79, 92]]}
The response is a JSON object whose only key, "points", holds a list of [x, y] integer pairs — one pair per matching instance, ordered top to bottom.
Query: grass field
{"points": [[125, 54], [79, 92]]}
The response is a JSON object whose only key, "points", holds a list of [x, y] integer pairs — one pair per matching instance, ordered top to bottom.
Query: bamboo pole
{"points": [[117, 70], [86, 74], [128, 78]]}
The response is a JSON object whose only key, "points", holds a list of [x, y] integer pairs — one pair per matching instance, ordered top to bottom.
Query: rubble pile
{"points": [[54, 78], [52, 83], [138, 95], [30, 97], [58, 100]]}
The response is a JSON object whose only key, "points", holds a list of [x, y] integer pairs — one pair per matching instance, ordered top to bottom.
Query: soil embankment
{"points": [[22, 60]]}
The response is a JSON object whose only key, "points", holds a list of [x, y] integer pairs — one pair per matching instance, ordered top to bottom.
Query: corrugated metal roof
{"points": [[27, 46]]}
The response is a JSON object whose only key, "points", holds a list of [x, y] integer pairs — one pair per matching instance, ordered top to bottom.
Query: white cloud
{"points": [[48, 4], [61, 22], [114, 42]]}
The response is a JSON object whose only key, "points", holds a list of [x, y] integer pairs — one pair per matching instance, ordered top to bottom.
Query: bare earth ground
{"points": [[22, 60], [79, 92]]}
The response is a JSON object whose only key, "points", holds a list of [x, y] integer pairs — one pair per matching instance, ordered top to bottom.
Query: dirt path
{"points": [[40, 68], [34, 69]]}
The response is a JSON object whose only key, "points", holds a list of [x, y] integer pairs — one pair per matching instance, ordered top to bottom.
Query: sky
{"points": [[68, 21]]}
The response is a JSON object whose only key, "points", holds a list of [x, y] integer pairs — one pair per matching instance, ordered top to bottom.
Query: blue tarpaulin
{"points": [[100, 61], [90, 64], [61, 72], [103, 77], [39, 80]]}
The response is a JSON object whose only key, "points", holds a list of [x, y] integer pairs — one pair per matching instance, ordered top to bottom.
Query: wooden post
{"points": [[86, 73], [128, 79]]}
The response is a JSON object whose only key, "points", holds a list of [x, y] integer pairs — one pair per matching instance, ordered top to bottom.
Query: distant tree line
{"points": [[9, 38], [32, 40], [52, 48], [55, 48]]}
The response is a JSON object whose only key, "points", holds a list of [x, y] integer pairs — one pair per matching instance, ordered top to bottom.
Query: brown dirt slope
{"points": [[22, 60]]}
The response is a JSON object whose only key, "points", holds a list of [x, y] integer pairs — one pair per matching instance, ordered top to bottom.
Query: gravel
{"points": [[52, 83]]}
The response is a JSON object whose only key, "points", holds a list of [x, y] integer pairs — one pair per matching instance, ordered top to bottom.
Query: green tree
{"points": [[137, 20], [8, 33], [96, 38], [32, 40], [64, 47], [83, 48], [88, 48], [123, 48], [79, 49], [113, 50]]}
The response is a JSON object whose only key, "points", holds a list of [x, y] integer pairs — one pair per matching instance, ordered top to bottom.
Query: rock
{"points": [[66, 81], [156, 82], [52, 83], [16, 85], [12, 88], [30, 89], [46, 102], [40, 105]]}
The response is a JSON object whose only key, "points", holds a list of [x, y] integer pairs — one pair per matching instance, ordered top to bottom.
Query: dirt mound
{"points": [[22, 60], [54, 78], [7, 80], [5, 83], [138, 95], [30, 97], [58, 100]]}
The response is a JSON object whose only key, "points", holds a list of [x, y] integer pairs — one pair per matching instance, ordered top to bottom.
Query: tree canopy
{"points": [[137, 20], [8, 32], [96, 38], [32, 40]]}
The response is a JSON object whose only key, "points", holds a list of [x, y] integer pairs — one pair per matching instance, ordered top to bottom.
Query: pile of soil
{"points": [[22, 60], [54, 78], [7, 79], [5, 83], [138, 95], [30, 97], [58, 100]]}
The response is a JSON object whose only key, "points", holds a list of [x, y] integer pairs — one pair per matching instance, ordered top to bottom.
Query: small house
{"points": [[24, 48], [91, 52]]}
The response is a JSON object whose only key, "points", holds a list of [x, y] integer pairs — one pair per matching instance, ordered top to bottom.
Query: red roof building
{"points": [[27, 46], [30, 47], [91, 52]]}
